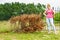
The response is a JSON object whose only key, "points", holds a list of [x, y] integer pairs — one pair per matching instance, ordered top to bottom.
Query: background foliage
{"points": [[9, 9], [13, 9], [57, 16]]}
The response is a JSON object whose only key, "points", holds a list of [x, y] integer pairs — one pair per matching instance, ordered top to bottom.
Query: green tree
{"points": [[9, 9]]}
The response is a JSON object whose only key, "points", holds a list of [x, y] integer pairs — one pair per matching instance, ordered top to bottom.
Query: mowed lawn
{"points": [[43, 35], [29, 36]]}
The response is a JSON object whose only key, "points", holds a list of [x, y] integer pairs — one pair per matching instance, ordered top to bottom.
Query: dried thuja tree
{"points": [[29, 23]]}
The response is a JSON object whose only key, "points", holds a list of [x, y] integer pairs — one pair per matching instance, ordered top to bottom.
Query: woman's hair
{"points": [[48, 5]]}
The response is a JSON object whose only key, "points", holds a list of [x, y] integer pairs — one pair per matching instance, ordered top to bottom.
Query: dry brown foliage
{"points": [[29, 23]]}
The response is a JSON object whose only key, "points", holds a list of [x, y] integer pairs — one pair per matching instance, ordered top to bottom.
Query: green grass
{"points": [[5, 26], [29, 36]]}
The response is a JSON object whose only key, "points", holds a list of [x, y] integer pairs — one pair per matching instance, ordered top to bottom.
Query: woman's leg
{"points": [[52, 23], [48, 24]]}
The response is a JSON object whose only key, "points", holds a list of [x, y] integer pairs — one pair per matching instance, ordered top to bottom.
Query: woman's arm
{"points": [[44, 13], [53, 13]]}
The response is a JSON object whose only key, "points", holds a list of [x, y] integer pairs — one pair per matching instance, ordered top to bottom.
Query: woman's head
{"points": [[48, 6]]}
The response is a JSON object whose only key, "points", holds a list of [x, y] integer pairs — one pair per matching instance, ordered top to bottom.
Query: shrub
{"points": [[57, 17], [29, 23]]}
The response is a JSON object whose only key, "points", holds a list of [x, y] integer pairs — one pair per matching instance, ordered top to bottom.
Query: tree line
{"points": [[13, 9]]}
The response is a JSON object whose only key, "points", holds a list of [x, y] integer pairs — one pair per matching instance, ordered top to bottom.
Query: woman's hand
{"points": [[53, 16]]}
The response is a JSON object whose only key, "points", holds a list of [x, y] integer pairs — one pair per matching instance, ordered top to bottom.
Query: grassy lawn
{"points": [[43, 35], [29, 36]]}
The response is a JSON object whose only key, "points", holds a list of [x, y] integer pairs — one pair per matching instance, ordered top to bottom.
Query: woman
{"points": [[49, 13]]}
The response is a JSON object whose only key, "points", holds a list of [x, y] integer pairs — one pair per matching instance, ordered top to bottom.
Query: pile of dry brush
{"points": [[27, 23]]}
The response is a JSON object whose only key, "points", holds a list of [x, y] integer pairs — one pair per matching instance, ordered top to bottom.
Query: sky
{"points": [[53, 3]]}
